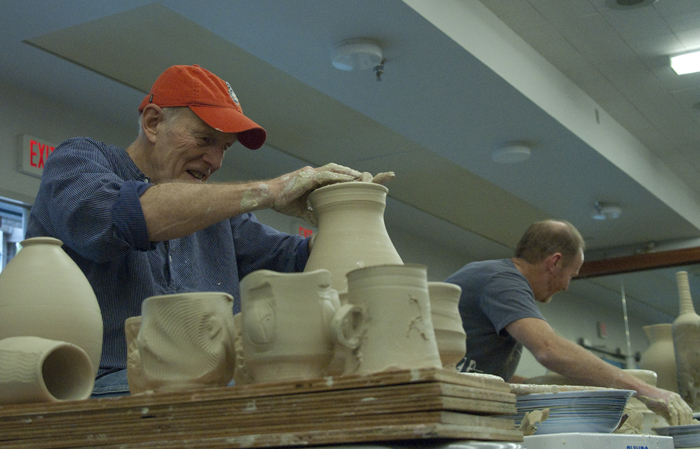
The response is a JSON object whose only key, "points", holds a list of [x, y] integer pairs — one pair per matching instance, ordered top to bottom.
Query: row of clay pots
{"points": [[293, 326]]}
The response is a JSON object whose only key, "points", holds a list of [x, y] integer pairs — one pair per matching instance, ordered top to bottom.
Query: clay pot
{"points": [[351, 230], [43, 293], [396, 304], [447, 323], [290, 324], [185, 342], [686, 342], [660, 357], [34, 369], [134, 371]]}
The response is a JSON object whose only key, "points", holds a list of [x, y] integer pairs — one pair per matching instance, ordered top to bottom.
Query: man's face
{"points": [[187, 149], [560, 275]]}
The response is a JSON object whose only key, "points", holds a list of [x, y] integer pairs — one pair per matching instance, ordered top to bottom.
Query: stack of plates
{"points": [[591, 411], [683, 436]]}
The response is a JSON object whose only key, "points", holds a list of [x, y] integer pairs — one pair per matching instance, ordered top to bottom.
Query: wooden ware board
{"points": [[399, 405]]}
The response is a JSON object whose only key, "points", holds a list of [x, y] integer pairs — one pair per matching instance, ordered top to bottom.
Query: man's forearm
{"points": [[177, 209], [581, 366]]}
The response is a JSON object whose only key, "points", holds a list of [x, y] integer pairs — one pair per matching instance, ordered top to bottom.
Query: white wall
{"points": [[24, 113]]}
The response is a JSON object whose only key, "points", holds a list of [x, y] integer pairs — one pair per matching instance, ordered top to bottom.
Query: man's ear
{"points": [[151, 116], [554, 260]]}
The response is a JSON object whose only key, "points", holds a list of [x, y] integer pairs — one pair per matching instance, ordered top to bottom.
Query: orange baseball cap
{"points": [[208, 96]]}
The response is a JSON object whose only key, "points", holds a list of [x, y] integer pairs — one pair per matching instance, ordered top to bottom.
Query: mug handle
{"points": [[349, 325]]}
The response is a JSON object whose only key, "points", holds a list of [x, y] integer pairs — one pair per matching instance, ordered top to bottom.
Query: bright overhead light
{"points": [[686, 63], [606, 211]]}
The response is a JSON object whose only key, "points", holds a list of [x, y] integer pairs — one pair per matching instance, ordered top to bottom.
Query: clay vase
{"points": [[351, 230], [43, 293], [396, 306], [447, 323], [290, 324], [185, 342], [686, 343], [660, 357], [34, 369]]}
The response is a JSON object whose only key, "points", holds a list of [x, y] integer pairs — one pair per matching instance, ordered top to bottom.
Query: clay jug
{"points": [[351, 230], [43, 293], [396, 307], [447, 322], [290, 324], [184, 342], [686, 343], [660, 357], [34, 369]]}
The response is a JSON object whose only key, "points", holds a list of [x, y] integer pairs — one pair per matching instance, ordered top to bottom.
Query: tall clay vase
{"points": [[351, 230], [43, 293], [447, 322], [686, 342], [660, 357], [34, 369]]}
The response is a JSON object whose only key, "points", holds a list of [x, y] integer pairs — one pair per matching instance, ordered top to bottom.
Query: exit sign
{"points": [[33, 154]]}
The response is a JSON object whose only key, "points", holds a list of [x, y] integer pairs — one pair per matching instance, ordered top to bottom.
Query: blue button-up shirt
{"points": [[89, 199]]}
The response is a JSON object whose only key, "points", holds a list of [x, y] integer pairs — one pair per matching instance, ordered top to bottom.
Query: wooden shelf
{"points": [[400, 405]]}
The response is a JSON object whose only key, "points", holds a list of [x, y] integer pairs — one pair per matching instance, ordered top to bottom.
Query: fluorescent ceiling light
{"points": [[686, 63]]}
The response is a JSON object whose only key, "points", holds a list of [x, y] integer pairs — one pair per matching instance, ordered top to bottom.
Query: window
{"points": [[13, 224]]}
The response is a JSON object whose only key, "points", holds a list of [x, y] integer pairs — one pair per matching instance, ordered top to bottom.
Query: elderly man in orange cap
{"points": [[142, 221]]}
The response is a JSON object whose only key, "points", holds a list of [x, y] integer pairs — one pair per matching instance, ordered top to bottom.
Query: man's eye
{"points": [[204, 141]]}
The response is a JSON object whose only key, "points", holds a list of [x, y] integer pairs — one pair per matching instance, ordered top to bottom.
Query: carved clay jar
{"points": [[351, 230], [43, 293], [396, 307], [447, 322], [290, 324], [185, 342], [686, 343], [660, 357], [34, 369], [134, 371]]}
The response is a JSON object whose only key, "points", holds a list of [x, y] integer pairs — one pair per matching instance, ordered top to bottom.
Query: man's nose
{"points": [[214, 157]]}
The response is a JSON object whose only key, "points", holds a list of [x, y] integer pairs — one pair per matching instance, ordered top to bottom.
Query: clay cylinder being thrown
{"points": [[351, 230], [43, 293], [399, 329], [686, 343], [34, 369]]}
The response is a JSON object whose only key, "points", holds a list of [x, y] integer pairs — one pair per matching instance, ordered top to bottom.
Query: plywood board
{"points": [[401, 405]]}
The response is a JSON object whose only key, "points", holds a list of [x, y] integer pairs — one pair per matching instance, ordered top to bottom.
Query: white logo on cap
{"points": [[231, 93]]}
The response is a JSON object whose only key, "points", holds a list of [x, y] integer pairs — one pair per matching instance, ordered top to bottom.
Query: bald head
{"points": [[548, 237]]}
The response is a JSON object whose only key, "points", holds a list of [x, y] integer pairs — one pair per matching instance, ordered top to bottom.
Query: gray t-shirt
{"points": [[494, 294]]}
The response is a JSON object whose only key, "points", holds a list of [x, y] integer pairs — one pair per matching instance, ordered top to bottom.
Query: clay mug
{"points": [[396, 305], [447, 322], [290, 324], [185, 342], [34, 369]]}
